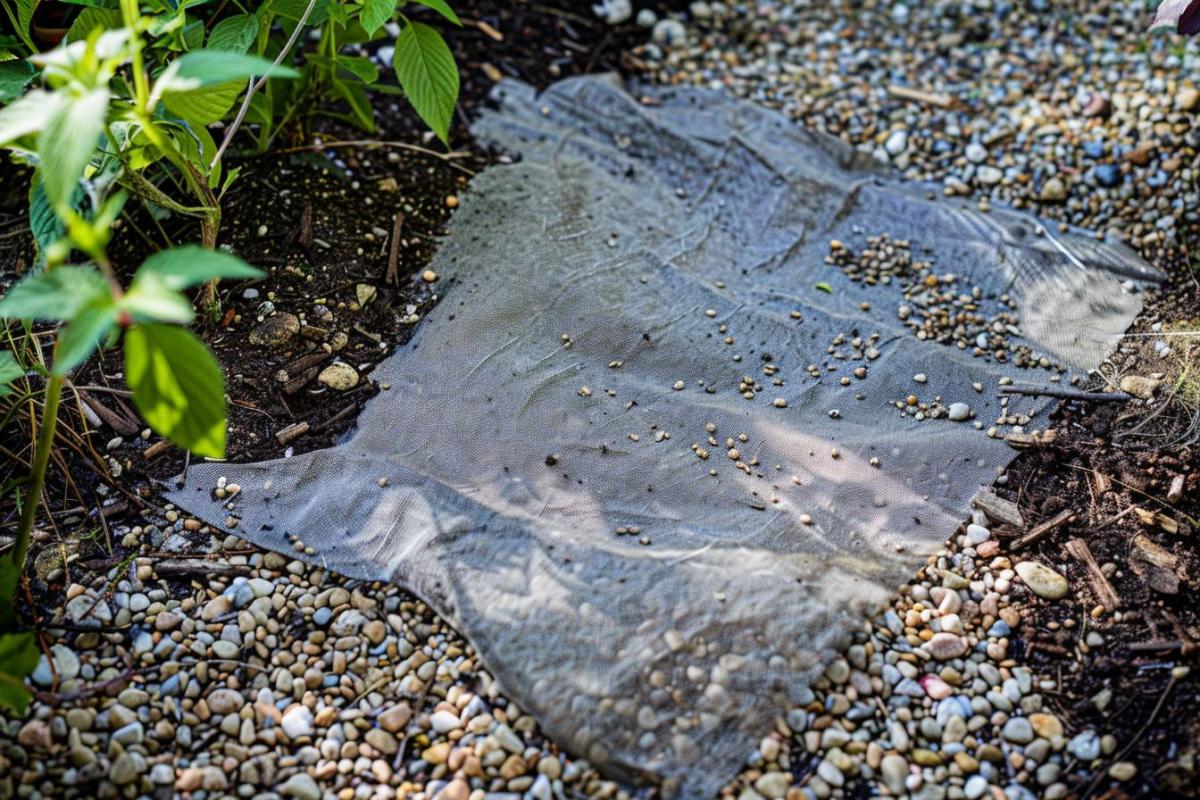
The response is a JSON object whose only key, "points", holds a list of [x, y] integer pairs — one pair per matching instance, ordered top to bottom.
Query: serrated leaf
{"points": [[442, 8], [25, 9], [293, 10], [375, 14], [90, 19], [234, 34], [193, 35], [210, 67], [427, 72], [14, 77], [206, 105], [27, 115], [68, 142], [45, 225], [191, 265], [55, 295], [78, 338], [10, 370], [177, 387], [18, 658]]}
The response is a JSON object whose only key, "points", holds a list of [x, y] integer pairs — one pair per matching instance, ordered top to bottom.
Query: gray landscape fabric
{"points": [[541, 434]]}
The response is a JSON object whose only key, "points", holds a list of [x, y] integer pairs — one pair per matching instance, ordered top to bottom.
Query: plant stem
{"points": [[129, 17], [255, 85], [41, 460]]}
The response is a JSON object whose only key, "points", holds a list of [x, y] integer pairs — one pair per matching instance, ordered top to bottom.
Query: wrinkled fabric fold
{"points": [[544, 488]]}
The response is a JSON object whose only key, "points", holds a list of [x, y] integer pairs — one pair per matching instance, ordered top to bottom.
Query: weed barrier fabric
{"points": [[535, 416]]}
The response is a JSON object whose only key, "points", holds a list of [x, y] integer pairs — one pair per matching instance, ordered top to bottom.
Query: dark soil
{"points": [[320, 220], [1113, 465]]}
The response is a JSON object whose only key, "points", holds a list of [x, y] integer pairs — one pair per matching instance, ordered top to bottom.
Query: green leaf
{"points": [[440, 7], [25, 10], [293, 10], [375, 13], [338, 14], [91, 18], [234, 34], [193, 35], [209, 67], [364, 69], [426, 69], [14, 77], [360, 104], [206, 105], [27, 115], [68, 142], [45, 225], [192, 265], [825, 287], [54, 295], [150, 299], [79, 337], [10, 370], [177, 386], [10, 579], [18, 658]]}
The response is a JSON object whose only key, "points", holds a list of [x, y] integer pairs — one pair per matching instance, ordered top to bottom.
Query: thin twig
{"points": [[254, 86], [448, 157], [391, 277], [1067, 393], [1102, 774]]}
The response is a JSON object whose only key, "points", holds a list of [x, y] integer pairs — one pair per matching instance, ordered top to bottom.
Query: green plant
{"points": [[422, 61], [138, 87], [123, 108], [100, 123], [177, 384]]}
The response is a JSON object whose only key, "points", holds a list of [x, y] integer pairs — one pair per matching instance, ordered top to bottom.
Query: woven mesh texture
{"points": [[606, 257]]}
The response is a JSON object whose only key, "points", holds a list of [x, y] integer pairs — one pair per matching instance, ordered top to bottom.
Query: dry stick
{"points": [[254, 86], [931, 98], [319, 146], [394, 254], [1067, 393], [997, 508], [1040, 530], [178, 566], [1104, 590]]}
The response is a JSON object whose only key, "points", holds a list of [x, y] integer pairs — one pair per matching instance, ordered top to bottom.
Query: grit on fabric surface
{"points": [[646, 452]]}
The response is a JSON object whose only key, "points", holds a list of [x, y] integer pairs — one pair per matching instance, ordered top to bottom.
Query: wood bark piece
{"points": [[918, 96], [122, 424], [289, 433], [1030, 441], [155, 450], [1175, 493], [997, 508], [1040, 530], [1155, 564], [1104, 590]]}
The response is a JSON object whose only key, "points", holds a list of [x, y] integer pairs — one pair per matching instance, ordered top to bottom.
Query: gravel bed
{"points": [[204, 668], [215, 670]]}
